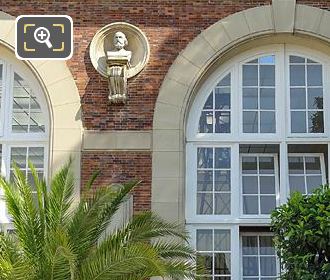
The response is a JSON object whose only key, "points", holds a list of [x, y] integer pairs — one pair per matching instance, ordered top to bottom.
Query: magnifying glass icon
{"points": [[41, 35]]}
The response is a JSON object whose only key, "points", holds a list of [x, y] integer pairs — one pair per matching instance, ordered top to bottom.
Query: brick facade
{"points": [[169, 26]]}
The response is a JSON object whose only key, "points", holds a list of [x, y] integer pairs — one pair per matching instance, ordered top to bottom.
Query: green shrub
{"points": [[302, 235]]}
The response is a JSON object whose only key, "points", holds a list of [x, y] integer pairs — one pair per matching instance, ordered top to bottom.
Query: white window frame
{"points": [[277, 187]]}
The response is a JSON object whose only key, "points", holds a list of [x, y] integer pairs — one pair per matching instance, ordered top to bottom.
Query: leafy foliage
{"points": [[302, 235], [57, 238]]}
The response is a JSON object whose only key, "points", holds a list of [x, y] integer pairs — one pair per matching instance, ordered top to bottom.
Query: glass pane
{"points": [[270, 59], [296, 59], [250, 75], [267, 75], [297, 75], [314, 75], [225, 81], [222, 98], [250, 98], [267, 98], [297, 98], [315, 98], [209, 102], [20, 122], [37, 122], [206, 122], [250, 122], [267, 122], [298, 122], [315, 122], [222, 124], [18, 155], [36, 156], [204, 157], [222, 158], [249, 165], [266, 165], [296, 165], [313, 165], [204, 180], [222, 180], [313, 182], [250, 184], [267, 184], [297, 184], [204, 203], [222, 203], [267, 204], [250, 205], [204, 240], [221, 240], [250, 245], [266, 245], [205, 260], [222, 263], [250, 266], [268, 266]]}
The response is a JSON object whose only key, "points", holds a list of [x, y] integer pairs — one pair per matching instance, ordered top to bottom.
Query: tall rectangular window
{"points": [[259, 95], [306, 95], [213, 181], [259, 183], [214, 253]]}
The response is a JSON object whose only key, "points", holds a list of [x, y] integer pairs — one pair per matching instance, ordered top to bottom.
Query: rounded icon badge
{"points": [[41, 35], [44, 37]]}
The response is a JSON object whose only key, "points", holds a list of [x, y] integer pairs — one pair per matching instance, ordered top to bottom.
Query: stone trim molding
{"points": [[186, 72], [63, 100], [117, 140]]}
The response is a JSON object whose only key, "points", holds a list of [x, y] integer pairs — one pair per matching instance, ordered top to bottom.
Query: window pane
{"points": [[270, 59], [296, 59], [250, 75], [267, 75], [297, 75], [314, 75], [225, 81], [222, 98], [250, 98], [267, 98], [297, 98], [315, 98], [209, 102], [20, 122], [206, 122], [250, 122], [267, 122], [298, 122], [315, 122], [222, 124], [18, 155], [36, 156], [204, 157], [222, 158], [249, 165], [266, 165], [296, 165], [313, 165], [204, 180], [222, 180], [313, 182], [267, 184], [297, 184], [250, 185], [204, 203], [222, 203], [267, 204], [250, 205], [204, 240], [222, 240], [250, 245], [266, 245], [205, 260], [222, 263], [250, 266], [268, 266]]}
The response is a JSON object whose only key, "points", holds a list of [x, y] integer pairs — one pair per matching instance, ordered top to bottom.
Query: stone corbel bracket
{"points": [[102, 44]]}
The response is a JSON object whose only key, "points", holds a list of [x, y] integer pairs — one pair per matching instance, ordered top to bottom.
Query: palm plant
{"points": [[57, 240]]}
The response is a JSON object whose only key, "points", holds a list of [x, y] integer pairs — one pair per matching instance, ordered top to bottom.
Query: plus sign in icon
{"points": [[44, 37]]}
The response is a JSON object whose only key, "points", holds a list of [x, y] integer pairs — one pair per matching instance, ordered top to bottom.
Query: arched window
{"points": [[24, 124], [256, 132]]}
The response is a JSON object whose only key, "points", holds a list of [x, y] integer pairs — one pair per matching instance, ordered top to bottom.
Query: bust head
{"points": [[119, 40]]}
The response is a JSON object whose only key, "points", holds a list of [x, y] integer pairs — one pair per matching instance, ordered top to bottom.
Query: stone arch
{"points": [[183, 77], [63, 101]]}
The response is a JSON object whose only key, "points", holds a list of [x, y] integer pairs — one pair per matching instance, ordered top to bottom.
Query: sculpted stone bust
{"points": [[118, 61]]}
